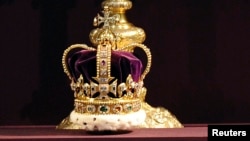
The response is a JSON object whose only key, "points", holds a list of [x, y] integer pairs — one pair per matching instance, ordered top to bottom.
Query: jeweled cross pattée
{"points": [[107, 20], [103, 77]]}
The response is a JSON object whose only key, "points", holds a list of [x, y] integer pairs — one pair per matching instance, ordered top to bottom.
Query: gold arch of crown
{"points": [[127, 96]]}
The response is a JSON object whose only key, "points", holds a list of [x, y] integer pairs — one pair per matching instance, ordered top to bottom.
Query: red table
{"points": [[50, 133]]}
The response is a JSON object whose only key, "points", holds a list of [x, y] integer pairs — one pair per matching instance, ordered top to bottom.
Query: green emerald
{"points": [[129, 108], [103, 109]]}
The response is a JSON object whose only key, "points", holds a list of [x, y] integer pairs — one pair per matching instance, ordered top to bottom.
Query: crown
{"points": [[107, 79], [104, 93]]}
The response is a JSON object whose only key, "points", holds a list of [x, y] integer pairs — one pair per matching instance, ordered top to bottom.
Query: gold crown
{"points": [[103, 94], [107, 95]]}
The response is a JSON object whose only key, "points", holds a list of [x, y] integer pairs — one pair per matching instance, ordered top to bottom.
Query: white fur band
{"points": [[110, 122]]}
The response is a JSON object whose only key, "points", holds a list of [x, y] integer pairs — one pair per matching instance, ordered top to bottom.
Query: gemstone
{"points": [[103, 54], [103, 62], [103, 72], [103, 80], [128, 107], [91, 108], [117, 108], [104, 109]]}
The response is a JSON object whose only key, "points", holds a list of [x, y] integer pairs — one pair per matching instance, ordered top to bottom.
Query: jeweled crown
{"points": [[106, 79]]}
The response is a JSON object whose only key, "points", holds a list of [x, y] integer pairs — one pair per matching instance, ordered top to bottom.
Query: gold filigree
{"points": [[159, 117]]}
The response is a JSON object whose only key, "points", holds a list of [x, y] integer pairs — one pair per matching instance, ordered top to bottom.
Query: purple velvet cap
{"points": [[122, 64]]}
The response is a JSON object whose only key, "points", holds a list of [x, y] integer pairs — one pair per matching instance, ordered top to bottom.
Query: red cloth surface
{"points": [[50, 133]]}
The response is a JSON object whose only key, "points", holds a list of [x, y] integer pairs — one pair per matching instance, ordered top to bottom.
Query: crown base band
{"points": [[98, 107]]}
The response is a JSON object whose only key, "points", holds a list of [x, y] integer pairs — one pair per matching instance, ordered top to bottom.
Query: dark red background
{"points": [[201, 57]]}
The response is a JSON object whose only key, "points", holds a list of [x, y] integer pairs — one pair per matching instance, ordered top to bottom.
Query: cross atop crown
{"points": [[107, 19]]}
